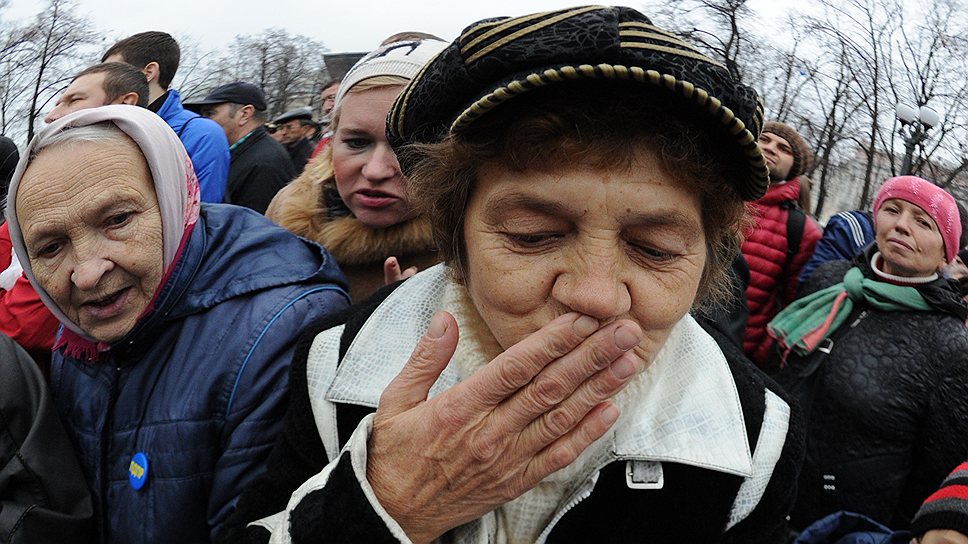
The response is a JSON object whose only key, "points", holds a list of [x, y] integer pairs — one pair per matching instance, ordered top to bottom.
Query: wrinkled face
{"points": [[84, 92], [289, 132], [778, 155], [368, 175], [92, 227], [908, 239], [608, 244]]}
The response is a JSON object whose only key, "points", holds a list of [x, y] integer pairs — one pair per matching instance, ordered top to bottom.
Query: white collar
{"points": [[876, 258], [687, 407]]}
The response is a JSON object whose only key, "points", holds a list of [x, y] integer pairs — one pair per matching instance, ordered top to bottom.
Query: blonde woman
{"points": [[352, 199]]}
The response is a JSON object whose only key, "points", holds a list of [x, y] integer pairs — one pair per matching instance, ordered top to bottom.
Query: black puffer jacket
{"points": [[886, 409]]}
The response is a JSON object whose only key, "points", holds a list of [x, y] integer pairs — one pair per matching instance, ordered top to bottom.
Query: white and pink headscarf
{"points": [[171, 171]]}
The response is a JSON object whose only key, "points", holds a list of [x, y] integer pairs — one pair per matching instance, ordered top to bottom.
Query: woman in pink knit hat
{"points": [[877, 353]]}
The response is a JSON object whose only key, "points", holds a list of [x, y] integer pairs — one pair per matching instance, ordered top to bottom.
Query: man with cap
{"points": [[291, 131], [259, 166], [783, 237]]}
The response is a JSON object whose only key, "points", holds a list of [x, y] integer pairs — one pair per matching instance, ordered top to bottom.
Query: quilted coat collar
{"points": [[231, 252]]}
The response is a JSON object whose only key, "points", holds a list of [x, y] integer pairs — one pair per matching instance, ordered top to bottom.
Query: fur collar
{"points": [[301, 208], [351, 242]]}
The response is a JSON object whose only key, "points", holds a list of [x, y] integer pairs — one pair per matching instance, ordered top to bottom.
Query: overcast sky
{"points": [[342, 25]]}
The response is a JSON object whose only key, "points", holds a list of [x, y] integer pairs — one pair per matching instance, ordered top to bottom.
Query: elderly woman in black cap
{"points": [[585, 173]]}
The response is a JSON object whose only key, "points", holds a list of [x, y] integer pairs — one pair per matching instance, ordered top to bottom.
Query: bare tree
{"points": [[717, 25], [57, 40], [932, 56], [288, 68], [199, 70], [14, 72]]}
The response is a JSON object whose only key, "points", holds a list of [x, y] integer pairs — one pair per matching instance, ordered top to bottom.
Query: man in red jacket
{"points": [[774, 255]]}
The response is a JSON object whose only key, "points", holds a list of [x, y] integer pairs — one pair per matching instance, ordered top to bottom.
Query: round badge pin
{"points": [[138, 471]]}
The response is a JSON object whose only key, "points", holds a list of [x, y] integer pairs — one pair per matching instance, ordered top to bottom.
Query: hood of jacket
{"points": [[232, 251]]}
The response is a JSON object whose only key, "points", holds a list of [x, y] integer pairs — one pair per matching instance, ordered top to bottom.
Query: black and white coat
{"points": [[707, 449]]}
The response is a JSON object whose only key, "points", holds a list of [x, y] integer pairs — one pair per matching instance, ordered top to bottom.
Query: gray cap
{"points": [[238, 92], [304, 112]]}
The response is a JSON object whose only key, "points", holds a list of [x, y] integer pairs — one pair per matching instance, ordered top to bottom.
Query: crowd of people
{"points": [[554, 281]]}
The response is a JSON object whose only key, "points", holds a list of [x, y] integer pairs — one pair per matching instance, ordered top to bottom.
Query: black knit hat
{"points": [[494, 60], [946, 508]]}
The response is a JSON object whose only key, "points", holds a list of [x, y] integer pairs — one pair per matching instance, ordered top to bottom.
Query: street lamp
{"points": [[915, 124]]}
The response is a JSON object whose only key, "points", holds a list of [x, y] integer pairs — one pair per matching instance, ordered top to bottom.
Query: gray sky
{"points": [[343, 25]]}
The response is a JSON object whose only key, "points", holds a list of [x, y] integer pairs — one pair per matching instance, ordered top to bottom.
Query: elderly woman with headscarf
{"points": [[585, 174], [179, 320], [876, 350]]}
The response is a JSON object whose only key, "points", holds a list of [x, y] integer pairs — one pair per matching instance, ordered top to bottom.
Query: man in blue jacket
{"points": [[157, 54]]}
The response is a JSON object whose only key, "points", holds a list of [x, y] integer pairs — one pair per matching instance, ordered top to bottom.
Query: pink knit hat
{"points": [[934, 200]]}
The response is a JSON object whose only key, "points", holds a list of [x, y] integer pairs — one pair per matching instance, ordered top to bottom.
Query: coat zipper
{"points": [[105, 448], [583, 493]]}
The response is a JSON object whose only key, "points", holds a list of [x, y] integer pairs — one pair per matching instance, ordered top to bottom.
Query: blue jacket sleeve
{"points": [[205, 142], [843, 238], [258, 396]]}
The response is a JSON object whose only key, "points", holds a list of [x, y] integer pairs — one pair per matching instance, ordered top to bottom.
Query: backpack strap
{"points": [[796, 219]]}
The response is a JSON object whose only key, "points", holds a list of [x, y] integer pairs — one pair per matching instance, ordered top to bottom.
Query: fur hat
{"points": [[402, 59], [495, 60], [802, 156], [934, 200], [946, 508]]}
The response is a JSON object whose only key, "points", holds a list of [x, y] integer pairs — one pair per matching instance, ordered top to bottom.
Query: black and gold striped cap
{"points": [[495, 60]]}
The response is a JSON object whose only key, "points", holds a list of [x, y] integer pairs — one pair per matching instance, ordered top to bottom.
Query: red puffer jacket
{"points": [[771, 287], [23, 316]]}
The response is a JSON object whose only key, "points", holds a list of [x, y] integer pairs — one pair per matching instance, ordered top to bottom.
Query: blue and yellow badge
{"points": [[138, 471]]}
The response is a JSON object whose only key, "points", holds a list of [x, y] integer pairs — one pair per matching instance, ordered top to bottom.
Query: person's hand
{"points": [[392, 273], [436, 464]]}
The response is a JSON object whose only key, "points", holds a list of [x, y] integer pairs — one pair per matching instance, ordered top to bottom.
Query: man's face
{"points": [[84, 92], [328, 97], [225, 115], [309, 130], [289, 132], [778, 154]]}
